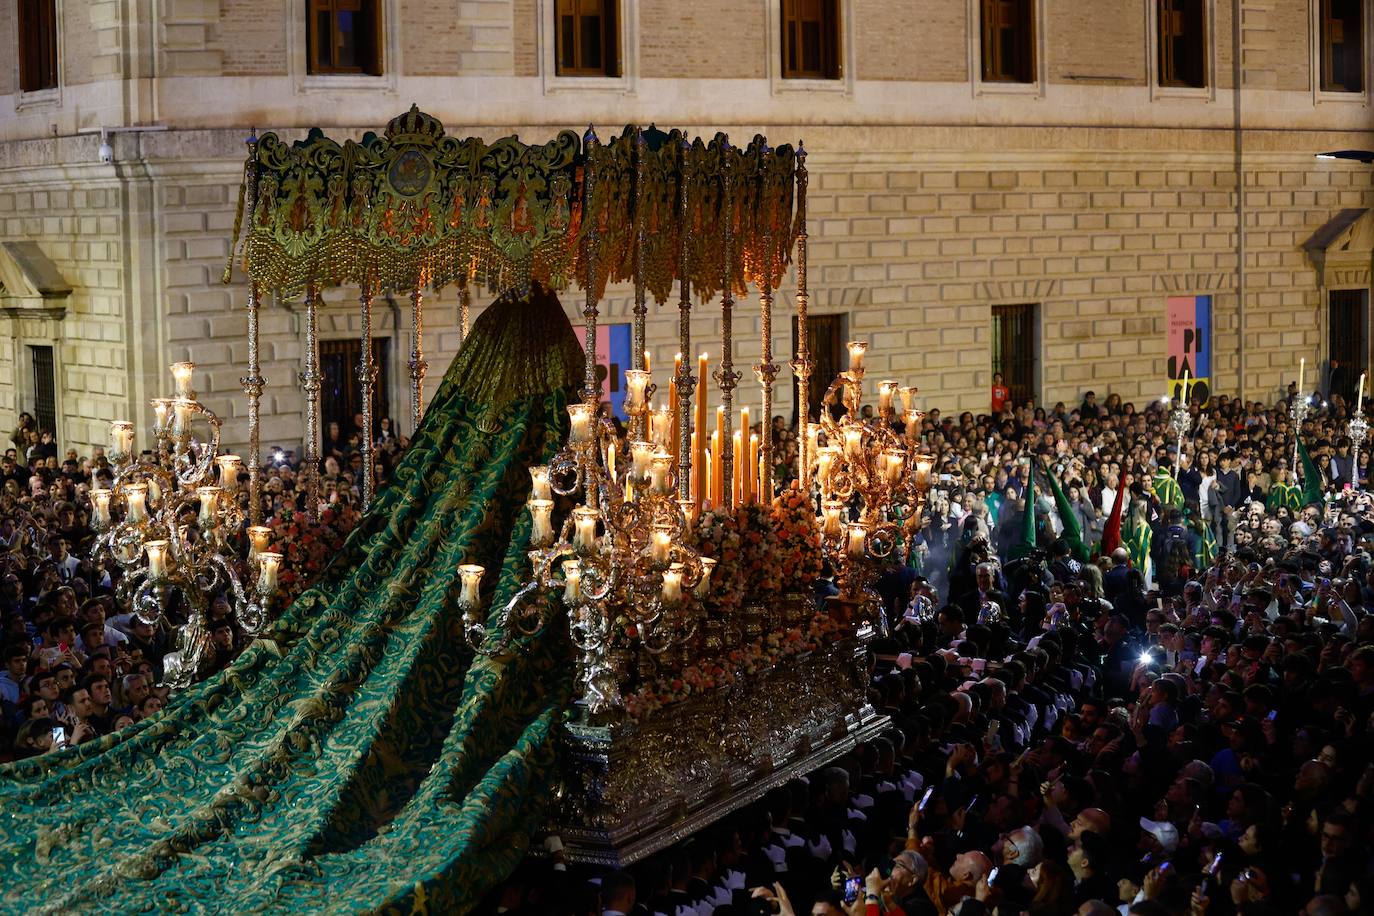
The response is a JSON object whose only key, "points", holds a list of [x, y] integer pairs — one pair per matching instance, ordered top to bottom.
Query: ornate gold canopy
{"points": [[417, 208]]}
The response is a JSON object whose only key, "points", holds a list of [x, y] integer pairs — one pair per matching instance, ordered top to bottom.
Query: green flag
{"points": [[1311, 477], [1072, 532], [1027, 542]]}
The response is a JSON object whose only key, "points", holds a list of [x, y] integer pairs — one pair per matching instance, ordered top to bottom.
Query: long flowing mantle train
{"points": [[358, 759]]}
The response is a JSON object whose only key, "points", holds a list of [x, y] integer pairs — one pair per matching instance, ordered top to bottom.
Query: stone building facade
{"points": [[1087, 194]]}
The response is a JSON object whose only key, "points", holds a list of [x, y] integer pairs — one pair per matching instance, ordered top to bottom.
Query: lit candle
{"points": [[857, 349], [647, 367], [1302, 369], [182, 373], [1185, 386], [636, 389], [886, 389], [1359, 397], [160, 408], [674, 413], [580, 420], [744, 420], [181, 422], [913, 423], [661, 428], [813, 439], [121, 441], [853, 442], [641, 454], [610, 458], [825, 463], [896, 463], [229, 467], [921, 468], [717, 469], [737, 469], [660, 473], [709, 478], [753, 479], [701, 480], [539, 482], [154, 492], [136, 495], [100, 503], [209, 506], [541, 514], [832, 525], [584, 527], [858, 538], [258, 539], [661, 543], [157, 559], [268, 563], [471, 575], [572, 581], [672, 584], [703, 588]]}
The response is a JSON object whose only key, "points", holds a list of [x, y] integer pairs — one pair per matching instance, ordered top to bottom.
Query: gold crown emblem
{"points": [[414, 127]]}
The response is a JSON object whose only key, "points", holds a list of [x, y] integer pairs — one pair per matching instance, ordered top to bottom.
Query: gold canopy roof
{"points": [[415, 207]]}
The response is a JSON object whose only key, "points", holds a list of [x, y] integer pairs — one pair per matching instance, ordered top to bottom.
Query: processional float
{"points": [[706, 674]]}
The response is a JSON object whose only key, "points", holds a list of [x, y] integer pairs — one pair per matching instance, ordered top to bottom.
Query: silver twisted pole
{"points": [[641, 307], [417, 359], [801, 366], [766, 371], [726, 375], [686, 382], [253, 384], [310, 385]]}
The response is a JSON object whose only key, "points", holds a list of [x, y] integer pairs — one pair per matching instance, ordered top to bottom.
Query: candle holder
{"points": [[1297, 412], [1358, 430], [871, 466], [171, 528], [618, 566]]}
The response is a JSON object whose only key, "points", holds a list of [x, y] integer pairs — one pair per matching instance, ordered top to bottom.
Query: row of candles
{"points": [[139, 496]]}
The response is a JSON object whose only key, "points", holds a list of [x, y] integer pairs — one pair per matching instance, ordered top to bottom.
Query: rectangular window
{"points": [[1008, 33], [344, 36], [587, 38], [811, 39], [1182, 44], [37, 45], [1342, 46], [1348, 310], [825, 338], [1015, 343], [44, 388], [341, 395]]}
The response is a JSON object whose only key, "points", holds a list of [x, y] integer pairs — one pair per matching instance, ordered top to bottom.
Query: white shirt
{"points": [[1108, 498]]}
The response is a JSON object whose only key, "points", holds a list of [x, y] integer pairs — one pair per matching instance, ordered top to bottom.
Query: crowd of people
{"points": [[77, 663], [1160, 703], [1179, 724]]}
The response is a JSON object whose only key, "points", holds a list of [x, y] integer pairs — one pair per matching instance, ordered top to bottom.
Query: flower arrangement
{"points": [[717, 536], [307, 546], [760, 549], [798, 558], [762, 654]]}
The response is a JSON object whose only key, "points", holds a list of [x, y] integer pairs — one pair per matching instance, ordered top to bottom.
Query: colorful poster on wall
{"points": [[1189, 347], [612, 359]]}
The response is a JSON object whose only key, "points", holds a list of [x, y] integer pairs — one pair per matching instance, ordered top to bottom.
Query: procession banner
{"points": [[1189, 347], [612, 359]]}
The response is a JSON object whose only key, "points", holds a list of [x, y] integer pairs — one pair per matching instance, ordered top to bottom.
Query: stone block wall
{"points": [[76, 215]]}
